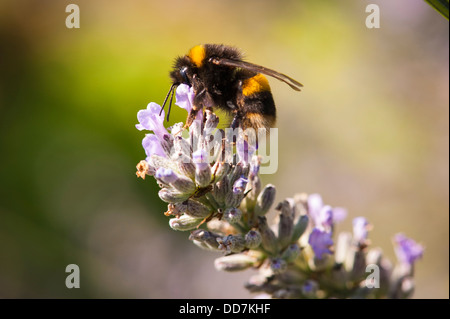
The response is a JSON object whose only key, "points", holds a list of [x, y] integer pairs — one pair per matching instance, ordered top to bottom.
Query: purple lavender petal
{"points": [[184, 97], [149, 119], [152, 146], [244, 150], [200, 158], [166, 175], [239, 185], [315, 205], [339, 214], [325, 219], [360, 229], [320, 242], [407, 250]]}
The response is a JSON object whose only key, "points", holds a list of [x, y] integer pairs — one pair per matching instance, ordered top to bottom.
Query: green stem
{"points": [[440, 6]]}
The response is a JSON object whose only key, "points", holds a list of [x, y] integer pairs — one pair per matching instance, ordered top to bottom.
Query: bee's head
{"points": [[182, 71]]}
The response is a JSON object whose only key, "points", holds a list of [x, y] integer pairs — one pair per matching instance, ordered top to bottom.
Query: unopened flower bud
{"points": [[167, 143], [187, 168], [202, 168], [219, 170], [235, 173], [166, 175], [239, 185], [221, 190], [172, 195], [235, 197], [265, 200], [193, 208], [232, 215], [184, 222], [285, 225], [299, 227], [207, 238], [252, 239], [268, 239], [231, 243], [291, 252], [234, 262], [278, 265], [309, 288]]}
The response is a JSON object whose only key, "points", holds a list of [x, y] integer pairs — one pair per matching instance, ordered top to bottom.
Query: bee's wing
{"points": [[259, 69]]}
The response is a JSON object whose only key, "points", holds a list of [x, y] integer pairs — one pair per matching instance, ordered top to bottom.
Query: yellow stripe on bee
{"points": [[197, 55], [255, 84]]}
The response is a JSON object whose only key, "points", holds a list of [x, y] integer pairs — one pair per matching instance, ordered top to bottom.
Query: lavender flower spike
{"points": [[320, 242], [407, 250]]}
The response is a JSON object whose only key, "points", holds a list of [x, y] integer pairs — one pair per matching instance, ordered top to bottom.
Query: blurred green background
{"points": [[370, 132]]}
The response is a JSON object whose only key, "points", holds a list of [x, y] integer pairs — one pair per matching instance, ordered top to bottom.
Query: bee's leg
{"points": [[191, 117], [235, 122]]}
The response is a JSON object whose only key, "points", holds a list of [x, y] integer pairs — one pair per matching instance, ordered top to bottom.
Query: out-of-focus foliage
{"points": [[369, 131]]}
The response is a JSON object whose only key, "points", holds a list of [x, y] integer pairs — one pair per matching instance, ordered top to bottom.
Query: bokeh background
{"points": [[370, 132]]}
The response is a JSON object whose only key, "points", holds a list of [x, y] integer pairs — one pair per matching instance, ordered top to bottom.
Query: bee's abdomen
{"points": [[255, 84], [256, 103]]}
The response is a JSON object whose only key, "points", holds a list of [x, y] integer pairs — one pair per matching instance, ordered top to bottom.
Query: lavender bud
{"points": [[167, 143], [182, 146], [187, 168], [202, 169], [219, 170], [235, 173], [166, 175], [203, 175], [184, 185], [239, 185], [221, 190], [253, 190], [172, 195], [235, 197], [265, 200], [193, 208], [232, 215], [184, 222], [285, 225], [220, 226], [300, 227], [207, 238], [253, 239], [268, 239], [231, 243], [291, 253], [234, 262], [278, 265], [309, 288]]}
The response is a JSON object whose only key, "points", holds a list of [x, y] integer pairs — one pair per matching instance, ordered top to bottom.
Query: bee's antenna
{"points": [[165, 100], [170, 103]]}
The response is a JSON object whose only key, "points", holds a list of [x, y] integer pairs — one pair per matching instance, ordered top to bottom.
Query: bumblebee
{"points": [[221, 79]]}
